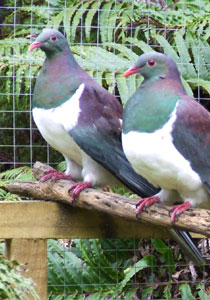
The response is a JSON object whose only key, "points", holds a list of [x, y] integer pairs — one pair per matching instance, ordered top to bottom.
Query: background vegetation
{"points": [[106, 37]]}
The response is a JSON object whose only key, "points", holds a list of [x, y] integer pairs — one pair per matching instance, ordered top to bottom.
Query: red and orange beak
{"points": [[34, 45], [131, 71]]}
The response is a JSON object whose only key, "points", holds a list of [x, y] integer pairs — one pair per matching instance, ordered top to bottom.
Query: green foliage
{"points": [[124, 30], [180, 30], [18, 174], [167, 254], [91, 267], [115, 269], [13, 285], [186, 292]]}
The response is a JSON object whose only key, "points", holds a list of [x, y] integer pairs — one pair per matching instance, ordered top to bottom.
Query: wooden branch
{"points": [[195, 220]]}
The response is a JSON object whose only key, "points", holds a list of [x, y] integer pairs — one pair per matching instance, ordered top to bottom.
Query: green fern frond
{"points": [[93, 9], [68, 14], [78, 17], [113, 17], [56, 21], [104, 22], [144, 47], [168, 49], [124, 51], [185, 58], [106, 60], [98, 75], [110, 81], [200, 82], [187, 87], [122, 88], [19, 174], [6, 196], [147, 261], [13, 285]]}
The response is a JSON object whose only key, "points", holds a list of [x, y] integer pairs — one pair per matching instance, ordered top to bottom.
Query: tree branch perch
{"points": [[194, 220]]}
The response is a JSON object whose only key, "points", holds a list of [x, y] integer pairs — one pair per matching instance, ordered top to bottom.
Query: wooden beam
{"points": [[42, 220], [195, 220], [32, 253]]}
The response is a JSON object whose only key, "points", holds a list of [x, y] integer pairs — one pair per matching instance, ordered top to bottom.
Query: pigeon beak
{"points": [[34, 45], [131, 71]]}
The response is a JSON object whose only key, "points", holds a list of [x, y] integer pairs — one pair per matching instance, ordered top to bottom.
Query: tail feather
{"points": [[188, 246]]}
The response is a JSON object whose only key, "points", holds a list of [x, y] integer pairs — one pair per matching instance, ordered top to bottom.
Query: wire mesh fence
{"points": [[106, 37]]}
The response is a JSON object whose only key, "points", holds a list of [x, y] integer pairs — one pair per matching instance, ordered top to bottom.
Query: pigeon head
{"points": [[51, 41], [153, 65]]}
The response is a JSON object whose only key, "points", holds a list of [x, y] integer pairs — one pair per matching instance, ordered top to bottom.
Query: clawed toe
{"points": [[54, 175], [78, 188], [146, 202], [178, 210]]}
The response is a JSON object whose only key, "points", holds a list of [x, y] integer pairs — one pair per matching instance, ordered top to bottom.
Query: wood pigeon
{"points": [[80, 119], [83, 121], [166, 136]]}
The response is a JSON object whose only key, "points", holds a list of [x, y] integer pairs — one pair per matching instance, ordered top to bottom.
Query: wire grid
{"points": [[24, 146]]}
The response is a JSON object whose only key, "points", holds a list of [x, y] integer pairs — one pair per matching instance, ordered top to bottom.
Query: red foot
{"points": [[54, 175], [77, 188], [146, 202], [178, 209]]}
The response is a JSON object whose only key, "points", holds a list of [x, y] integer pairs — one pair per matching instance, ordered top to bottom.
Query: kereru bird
{"points": [[82, 120], [166, 136]]}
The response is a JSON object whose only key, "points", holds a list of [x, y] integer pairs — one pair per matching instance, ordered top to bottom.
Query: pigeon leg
{"points": [[54, 175], [78, 188], [146, 202], [178, 209]]}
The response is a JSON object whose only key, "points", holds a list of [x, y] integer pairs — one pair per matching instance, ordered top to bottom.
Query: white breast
{"points": [[54, 124], [154, 156]]}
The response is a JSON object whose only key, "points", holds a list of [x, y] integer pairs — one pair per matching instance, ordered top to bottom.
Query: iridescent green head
{"points": [[51, 41], [153, 65]]}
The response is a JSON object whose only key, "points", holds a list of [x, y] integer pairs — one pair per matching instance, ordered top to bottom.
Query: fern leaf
{"points": [[68, 14], [77, 18], [89, 18], [104, 20], [56, 21], [112, 21], [140, 44], [168, 49], [125, 51], [198, 51], [184, 55], [205, 60], [106, 61], [98, 75], [19, 79], [110, 81], [131, 82], [200, 82], [187, 87], [122, 88], [8, 89], [17, 174], [85, 251], [147, 261], [56, 262], [91, 268]]}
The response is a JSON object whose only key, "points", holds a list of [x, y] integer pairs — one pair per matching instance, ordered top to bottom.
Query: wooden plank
{"points": [[38, 219], [196, 220], [32, 253]]}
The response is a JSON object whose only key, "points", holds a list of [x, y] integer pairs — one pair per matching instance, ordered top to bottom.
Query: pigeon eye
{"points": [[53, 38], [151, 62]]}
